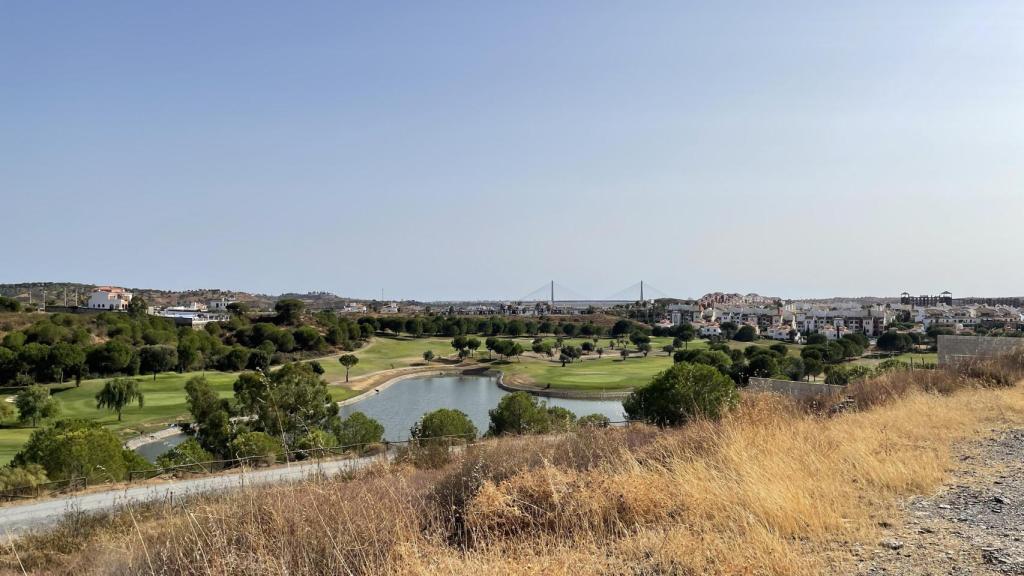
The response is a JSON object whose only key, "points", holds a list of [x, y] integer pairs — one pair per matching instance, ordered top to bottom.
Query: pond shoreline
{"points": [[500, 376]]}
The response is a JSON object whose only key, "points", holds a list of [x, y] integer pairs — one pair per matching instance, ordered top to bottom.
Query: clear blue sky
{"points": [[478, 149]]}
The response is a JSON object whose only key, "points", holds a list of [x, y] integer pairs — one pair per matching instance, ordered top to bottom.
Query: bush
{"points": [[680, 393], [518, 413], [593, 421], [444, 423], [359, 430], [316, 441], [258, 446], [74, 448], [189, 453], [21, 477]]}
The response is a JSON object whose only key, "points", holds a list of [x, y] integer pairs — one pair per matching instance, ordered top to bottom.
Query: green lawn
{"points": [[384, 353], [917, 358], [607, 373], [164, 404]]}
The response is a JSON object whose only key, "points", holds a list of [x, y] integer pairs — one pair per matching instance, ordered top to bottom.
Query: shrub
{"points": [[682, 392], [518, 413], [593, 421], [444, 423], [359, 430], [316, 441], [257, 446], [74, 448], [189, 453], [21, 477]]}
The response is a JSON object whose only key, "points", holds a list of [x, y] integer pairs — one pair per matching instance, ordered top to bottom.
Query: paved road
{"points": [[16, 518]]}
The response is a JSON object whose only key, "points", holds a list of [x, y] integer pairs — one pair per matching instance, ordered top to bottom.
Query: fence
{"points": [[956, 349], [213, 466], [28, 492]]}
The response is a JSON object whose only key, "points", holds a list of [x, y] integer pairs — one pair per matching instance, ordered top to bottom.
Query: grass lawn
{"points": [[384, 353], [918, 358], [608, 373], [164, 404], [11, 440]]}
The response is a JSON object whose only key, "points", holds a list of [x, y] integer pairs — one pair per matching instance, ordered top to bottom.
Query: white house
{"points": [[109, 298], [219, 305], [707, 330], [782, 332]]}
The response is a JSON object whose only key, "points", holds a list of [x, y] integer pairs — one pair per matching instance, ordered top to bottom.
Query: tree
{"points": [[137, 307], [289, 311], [621, 328], [729, 329], [746, 333], [639, 339], [816, 339], [893, 341], [473, 344], [645, 348], [600, 352], [624, 353], [428, 356], [67, 358], [159, 358], [348, 361], [763, 366], [813, 366], [682, 392], [118, 393], [287, 402], [34, 403], [6, 411], [518, 413], [444, 423], [358, 430], [77, 448]]}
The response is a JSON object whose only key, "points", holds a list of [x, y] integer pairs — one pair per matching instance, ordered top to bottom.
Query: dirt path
{"points": [[973, 526]]}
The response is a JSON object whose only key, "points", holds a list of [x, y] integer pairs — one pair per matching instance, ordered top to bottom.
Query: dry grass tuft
{"points": [[769, 490]]}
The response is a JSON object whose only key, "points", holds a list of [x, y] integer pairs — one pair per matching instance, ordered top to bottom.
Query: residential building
{"points": [[109, 298]]}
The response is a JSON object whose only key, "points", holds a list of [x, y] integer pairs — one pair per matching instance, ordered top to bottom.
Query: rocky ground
{"points": [[974, 526]]}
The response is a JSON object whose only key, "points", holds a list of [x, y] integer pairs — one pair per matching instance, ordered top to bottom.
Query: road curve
{"points": [[17, 518]]}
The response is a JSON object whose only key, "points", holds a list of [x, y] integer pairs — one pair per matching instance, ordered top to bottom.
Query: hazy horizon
{"points": [[467, 151]]}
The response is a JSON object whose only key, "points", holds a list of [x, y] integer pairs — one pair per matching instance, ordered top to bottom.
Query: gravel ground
{"points": [[974, 526]]}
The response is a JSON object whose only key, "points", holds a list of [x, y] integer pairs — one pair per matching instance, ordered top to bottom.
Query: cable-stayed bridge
{"points": [[557, 294]]}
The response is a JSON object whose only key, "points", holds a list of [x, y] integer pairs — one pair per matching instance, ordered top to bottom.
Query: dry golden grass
{"points": [[771, 489]]}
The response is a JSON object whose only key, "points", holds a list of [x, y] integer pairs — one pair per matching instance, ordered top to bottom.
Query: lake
{"points": [[401, 405]]}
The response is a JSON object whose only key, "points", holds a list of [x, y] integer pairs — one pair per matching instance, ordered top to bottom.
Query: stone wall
{"points": [[955, 349]]}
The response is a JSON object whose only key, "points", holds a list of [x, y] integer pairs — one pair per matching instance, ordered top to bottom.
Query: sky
{"points": [[470, 150]]}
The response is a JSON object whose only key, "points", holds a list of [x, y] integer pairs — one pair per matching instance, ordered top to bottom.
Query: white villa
{"points": [[109, 298]]}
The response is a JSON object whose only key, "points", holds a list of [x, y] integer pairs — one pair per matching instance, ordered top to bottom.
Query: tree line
{"points": [[62, 347]]}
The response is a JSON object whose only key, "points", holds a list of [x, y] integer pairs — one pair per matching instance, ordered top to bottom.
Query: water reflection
{"points": [[400, 405]]}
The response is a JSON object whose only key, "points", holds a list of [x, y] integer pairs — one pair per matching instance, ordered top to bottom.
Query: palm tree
{"points": [[118, 393]]}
